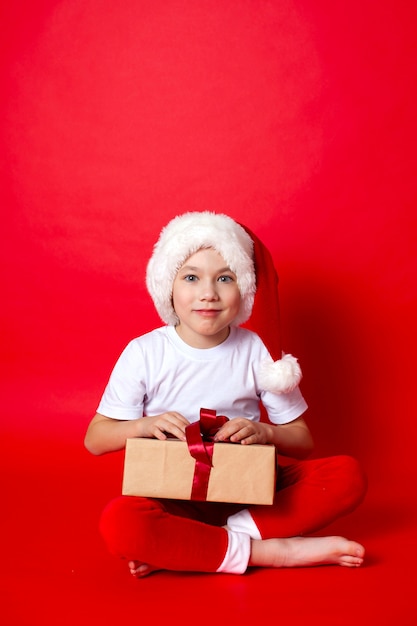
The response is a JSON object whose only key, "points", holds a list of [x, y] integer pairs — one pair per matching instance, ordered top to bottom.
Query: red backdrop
{"points": [[294, 117]]}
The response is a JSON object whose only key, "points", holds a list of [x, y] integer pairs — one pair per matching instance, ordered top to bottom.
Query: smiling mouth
{"points": [[208, 312]]}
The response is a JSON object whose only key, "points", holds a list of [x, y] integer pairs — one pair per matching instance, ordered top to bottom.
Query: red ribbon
{"points": [[200, 443]]}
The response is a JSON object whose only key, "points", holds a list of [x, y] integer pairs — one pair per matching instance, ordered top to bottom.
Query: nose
{"points": [[208, 290]]}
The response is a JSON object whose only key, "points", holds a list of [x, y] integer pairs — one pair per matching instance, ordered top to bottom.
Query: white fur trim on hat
{"points": [[185, 235], [280, 376]]}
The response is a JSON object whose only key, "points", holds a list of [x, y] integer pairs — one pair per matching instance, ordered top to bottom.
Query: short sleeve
{"points": [[124, 395]]}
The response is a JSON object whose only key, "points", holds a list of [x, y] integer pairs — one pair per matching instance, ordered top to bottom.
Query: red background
{"points": [[294, 117]]}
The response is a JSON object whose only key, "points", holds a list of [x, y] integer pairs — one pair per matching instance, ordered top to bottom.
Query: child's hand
{"points": [[159, 426], [242, 430]]}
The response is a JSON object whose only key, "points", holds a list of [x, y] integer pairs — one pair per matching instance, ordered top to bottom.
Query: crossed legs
{"points": [[155, 534]]}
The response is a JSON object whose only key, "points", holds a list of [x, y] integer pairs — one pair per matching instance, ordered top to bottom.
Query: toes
{"points": [[351, 561], [133, 565], [139, 570]]}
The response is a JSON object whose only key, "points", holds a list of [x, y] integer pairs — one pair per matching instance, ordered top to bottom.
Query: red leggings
{"points": [[188, 536]]}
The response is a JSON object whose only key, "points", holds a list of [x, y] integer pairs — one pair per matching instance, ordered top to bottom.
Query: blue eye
{"points": [[190, 278], [225, 279]]}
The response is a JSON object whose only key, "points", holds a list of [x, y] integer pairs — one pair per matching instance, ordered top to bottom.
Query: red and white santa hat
{"points": [[256, 275]]}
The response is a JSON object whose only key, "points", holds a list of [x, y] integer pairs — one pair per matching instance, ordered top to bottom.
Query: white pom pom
{"points": [[280, 376]]}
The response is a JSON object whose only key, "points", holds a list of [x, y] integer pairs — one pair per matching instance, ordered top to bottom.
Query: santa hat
{"points": [[256, 277]]}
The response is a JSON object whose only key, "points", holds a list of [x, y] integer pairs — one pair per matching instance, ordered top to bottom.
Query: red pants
{"points": [[188, 536]]}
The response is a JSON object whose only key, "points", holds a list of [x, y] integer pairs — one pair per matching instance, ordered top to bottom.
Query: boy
{"points": [[207, 275]]}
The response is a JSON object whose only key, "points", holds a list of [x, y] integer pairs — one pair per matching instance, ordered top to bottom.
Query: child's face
{"points": [[206, 299]]}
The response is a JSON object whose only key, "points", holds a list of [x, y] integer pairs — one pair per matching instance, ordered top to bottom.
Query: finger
{"points": [[178, 419], [174, 429], [232, 430], [224, 432], [157, 433], [240, 435], [249, 440]]}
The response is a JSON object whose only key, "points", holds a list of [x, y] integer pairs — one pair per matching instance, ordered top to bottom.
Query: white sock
{"points": [[243, 522], [237, 554]]}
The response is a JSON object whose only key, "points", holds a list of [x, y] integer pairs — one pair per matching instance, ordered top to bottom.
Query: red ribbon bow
{"points": [[200, 443]]}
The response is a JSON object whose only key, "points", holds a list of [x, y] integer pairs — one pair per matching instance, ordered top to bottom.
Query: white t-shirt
{"points": [[159, 372]]}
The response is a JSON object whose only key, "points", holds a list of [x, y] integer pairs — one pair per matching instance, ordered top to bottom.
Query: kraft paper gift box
{"points": [[166, 469]]}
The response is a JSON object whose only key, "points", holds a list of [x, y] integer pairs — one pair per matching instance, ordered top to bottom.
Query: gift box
{"points": [[200, 469]]}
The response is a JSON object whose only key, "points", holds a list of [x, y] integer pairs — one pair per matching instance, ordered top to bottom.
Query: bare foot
{"points": [[306, 551], [140, 570]]}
